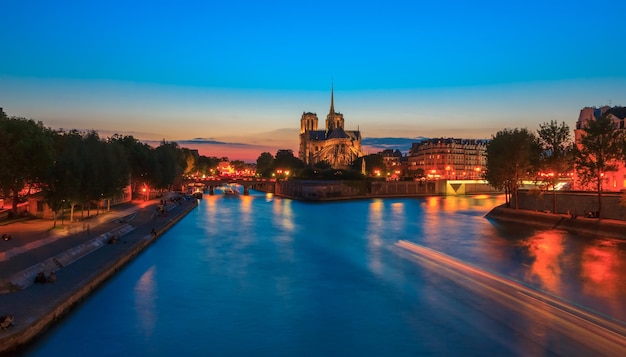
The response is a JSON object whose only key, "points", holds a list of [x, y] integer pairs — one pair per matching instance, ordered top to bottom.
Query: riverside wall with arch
{"points": [[311, 190]]}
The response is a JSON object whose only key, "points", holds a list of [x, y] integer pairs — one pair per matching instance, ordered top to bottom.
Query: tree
{"points": [[601, 144], [26, 155], [556, 155], [512, 157], [139, 158], [285, 159], [190, 160], [171, 162], [373, 162], [205, 164], [264, 164], [238, 165], [323, 165]]}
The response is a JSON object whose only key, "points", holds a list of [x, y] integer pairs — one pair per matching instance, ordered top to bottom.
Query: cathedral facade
{"points": [[334, 144]]}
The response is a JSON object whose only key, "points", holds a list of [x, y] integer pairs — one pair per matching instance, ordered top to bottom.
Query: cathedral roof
{"points": [[619, 112], [338, 133], [317, 134]]}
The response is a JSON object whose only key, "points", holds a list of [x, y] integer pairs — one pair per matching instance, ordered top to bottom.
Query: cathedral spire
{"points": [[332, 98]]}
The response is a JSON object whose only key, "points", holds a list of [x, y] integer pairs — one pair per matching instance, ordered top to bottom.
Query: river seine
{"points": [[261, 275]]}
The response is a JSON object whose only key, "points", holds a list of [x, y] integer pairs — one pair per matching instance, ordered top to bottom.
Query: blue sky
{"points": [[243, 72]]}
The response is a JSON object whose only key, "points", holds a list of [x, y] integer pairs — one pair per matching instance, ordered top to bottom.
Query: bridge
{"points": [[210, 183]]}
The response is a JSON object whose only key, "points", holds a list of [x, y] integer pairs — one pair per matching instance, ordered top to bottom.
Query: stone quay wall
{"points": [[327, 190], [342, 190], [578, 203], [592, 227]]}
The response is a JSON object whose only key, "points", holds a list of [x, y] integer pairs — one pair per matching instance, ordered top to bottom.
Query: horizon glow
{"points": [[244, 72]]}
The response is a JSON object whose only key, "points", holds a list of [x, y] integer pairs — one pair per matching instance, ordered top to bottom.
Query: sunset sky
{"points": [[233, 78]]}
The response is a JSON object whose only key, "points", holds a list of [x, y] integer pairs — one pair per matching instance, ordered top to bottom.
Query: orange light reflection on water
{"points": [[375, 228], [547, 249], [602, 273]]}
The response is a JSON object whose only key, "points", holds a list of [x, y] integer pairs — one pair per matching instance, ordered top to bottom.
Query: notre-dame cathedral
{"points": [[335, 145]]}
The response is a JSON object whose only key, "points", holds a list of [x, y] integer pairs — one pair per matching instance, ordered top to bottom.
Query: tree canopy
{"points": [[601, 145], [26, 154], [556, 154], [512, 157], [284, 160]]}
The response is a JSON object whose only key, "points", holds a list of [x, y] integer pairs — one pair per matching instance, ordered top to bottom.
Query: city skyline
{"points": [[235, 78]]}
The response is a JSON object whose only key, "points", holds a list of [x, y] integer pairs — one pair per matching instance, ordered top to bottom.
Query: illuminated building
{"points": [[335, 145], [391, 158], [448, 158], [225, 169], [613, 180]]}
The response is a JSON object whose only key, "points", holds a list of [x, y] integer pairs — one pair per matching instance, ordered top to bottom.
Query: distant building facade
{"points": [[334, 144], [391, 158], [448, 158], [613, 180]]}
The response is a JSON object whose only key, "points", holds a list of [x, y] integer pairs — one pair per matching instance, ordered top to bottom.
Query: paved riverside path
{"points": [[35, 303]]}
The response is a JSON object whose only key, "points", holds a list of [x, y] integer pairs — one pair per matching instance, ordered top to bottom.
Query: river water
{"points": [[261, 275]]}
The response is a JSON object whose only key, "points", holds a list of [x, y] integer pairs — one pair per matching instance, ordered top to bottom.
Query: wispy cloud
{"points": [[209, 141], [373, 145]]}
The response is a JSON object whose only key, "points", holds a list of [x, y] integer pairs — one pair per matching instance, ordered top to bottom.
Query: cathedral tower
{"points": [[333, 120], [308, 122]]}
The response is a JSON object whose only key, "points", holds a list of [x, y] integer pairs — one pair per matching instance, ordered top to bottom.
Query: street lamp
{"points": [[62, 211]]}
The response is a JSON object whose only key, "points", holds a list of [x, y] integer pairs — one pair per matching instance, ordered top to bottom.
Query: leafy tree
{"points": [[601, 144], [25, 155], [556, 155], [138, 156], [512, 157], [285, 159], [190, 160], [372, 162], [171, 164], [205, 164], [264, 164], [238, 165], [323, 165], [115, 170], [67, 173]]}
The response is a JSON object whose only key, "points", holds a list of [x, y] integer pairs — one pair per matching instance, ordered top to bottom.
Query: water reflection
{"points": [[375, 229], [546, 250], [602, 271], [263, 275], [145, 302]]}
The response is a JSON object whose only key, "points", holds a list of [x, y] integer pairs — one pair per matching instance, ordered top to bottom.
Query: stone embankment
{"points": [[600, 228], [35, 308]]}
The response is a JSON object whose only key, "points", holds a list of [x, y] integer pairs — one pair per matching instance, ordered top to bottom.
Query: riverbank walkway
{"points": [[80, 256]]}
